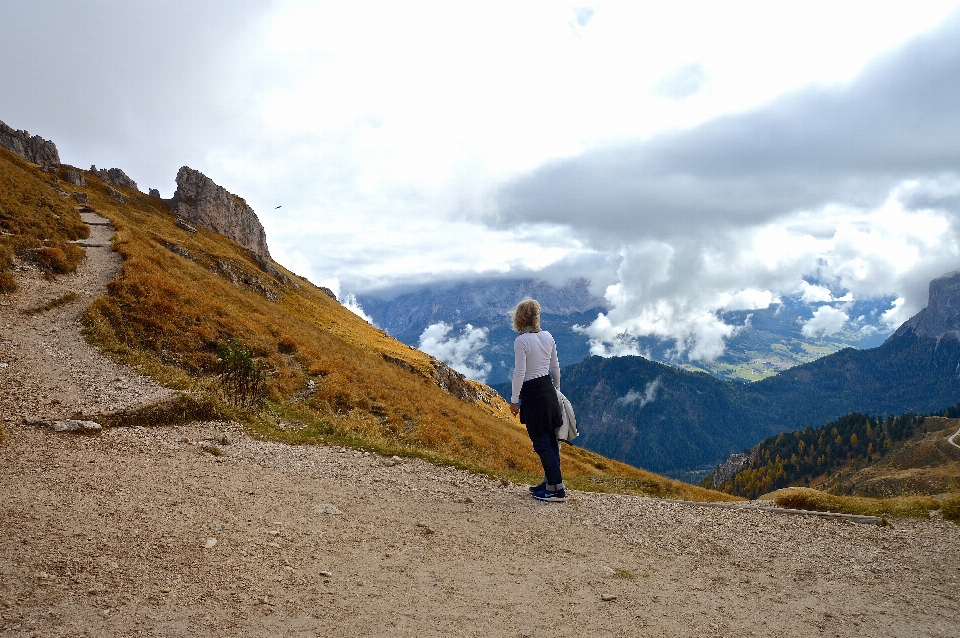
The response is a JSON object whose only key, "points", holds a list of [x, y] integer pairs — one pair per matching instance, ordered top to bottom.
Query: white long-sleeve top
{"points": [[535, 355]]}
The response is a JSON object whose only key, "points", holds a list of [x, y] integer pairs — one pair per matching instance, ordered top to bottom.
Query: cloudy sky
{"points": [[687, 157]]}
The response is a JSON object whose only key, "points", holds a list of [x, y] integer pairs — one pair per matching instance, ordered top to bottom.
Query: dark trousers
{"points": [[540, 412]]}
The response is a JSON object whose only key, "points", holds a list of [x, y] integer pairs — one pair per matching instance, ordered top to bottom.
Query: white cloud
{"points": [[684, 82], [810, 293], [350, 303], [896, 315], [826, 321], [460, 353], [649, 395]]}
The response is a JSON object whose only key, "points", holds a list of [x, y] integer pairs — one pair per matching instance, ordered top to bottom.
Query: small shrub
{"points": [[53, 260], [8, 282], [286, 345], [242, 379], [950, 508]]}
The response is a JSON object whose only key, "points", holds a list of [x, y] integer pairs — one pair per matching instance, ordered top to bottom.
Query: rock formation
{"points": [[31, 148], [113, 176], [74, 178], [202, 202], [941, 318], [732, 466]]}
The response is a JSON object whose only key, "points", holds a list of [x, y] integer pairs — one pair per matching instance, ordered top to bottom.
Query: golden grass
{"points": [[36, 222], [333, 376], [809, 499], [950, 508]]}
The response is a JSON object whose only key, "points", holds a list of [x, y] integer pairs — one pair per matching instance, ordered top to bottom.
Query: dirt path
{"points": [[47, 370], [952, 439], [203, 531]]}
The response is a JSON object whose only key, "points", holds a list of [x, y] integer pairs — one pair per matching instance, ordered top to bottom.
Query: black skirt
{"points": [[539, 405]]}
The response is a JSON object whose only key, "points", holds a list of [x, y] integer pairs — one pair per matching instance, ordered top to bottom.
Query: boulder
{"points": [[31, 148], [74, 178], [120, 178], [116, 195], [200, 201]]}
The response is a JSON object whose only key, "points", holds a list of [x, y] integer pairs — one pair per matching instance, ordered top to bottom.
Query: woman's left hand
{"points": [[514, 409]]}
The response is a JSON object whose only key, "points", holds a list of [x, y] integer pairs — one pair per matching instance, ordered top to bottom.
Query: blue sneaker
{"points": [[538, 488], [551, 497]]}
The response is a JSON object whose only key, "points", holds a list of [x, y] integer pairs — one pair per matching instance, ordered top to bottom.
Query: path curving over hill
{"points": [[47, 370], [952, 439]]}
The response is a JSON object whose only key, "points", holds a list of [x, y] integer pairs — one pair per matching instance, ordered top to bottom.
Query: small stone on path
{"points": [[326, 508], [210, 543]]}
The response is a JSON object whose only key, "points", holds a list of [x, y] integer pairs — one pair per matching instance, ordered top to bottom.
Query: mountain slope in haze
{"points": [[184, 290], [486, 305], [765, 341], [653, 417]]}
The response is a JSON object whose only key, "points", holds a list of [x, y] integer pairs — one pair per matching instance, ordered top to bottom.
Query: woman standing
{"points": [[536, 379]]}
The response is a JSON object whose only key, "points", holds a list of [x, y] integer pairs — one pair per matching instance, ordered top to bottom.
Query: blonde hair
{"points": [[526, 315]]}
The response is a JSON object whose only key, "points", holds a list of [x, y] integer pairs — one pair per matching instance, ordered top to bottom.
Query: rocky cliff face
{"points": [[31, 148], [202, 202], [941, 318], [732, 466]]}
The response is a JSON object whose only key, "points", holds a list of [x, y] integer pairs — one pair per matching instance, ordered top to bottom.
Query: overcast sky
{"points": [[687, 157]]}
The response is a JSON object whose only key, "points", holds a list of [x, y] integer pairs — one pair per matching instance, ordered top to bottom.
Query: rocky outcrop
{"points": [[31, 148], [114, 176], [74, 178], [154, 193], [202, 202], [941, 318], [457, 385], [732, 466]]}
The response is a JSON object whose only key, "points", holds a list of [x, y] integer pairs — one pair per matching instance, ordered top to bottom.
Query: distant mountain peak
{"points": [[941, 318]]}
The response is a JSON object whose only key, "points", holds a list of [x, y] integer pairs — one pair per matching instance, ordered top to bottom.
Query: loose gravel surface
{"points": [[203, 531]]}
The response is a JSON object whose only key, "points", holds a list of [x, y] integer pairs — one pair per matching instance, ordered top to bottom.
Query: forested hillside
{"points": [[811, 456]]}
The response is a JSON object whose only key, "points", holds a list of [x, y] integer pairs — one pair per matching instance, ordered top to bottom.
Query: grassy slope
{"points": [[36, 221], [166, 312], [925, 464], [920, 475], [913, 506]]}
